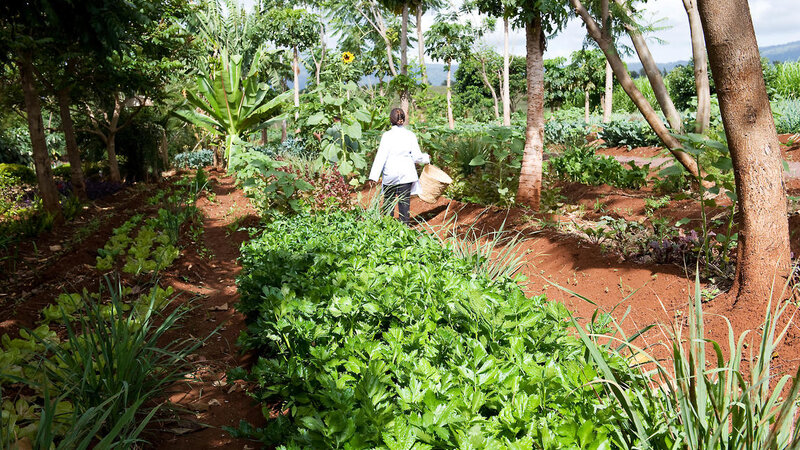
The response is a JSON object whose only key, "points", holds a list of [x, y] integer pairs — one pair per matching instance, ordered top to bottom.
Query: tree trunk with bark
{"points": [[606, 44], [421, 45], [296, 71], [654, 75], [701, 83], [490, 87], [506, 87], [404, 95], [608, 98], [586, 105], [450, 120], [71, 143], [163, 149], [41, 157], [530, 178], [763, 247]]}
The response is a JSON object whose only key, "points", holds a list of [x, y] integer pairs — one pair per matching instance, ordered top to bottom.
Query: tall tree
{"points": [[625, 15], [295, 29], [603, 36], [450, 41], [587, 70], [702, 85], [763, 247]]}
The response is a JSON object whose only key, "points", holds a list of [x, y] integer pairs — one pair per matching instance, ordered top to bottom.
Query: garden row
{"points": [[374, 335], [87, 376]]}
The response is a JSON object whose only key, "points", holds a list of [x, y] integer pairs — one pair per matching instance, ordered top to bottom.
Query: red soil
{"points": [[643, 294]]}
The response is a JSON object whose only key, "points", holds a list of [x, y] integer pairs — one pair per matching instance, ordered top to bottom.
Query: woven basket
{"points": [[433, 182]]}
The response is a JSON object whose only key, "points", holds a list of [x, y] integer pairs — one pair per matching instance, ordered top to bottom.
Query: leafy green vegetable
{"points": [[373, 335]]}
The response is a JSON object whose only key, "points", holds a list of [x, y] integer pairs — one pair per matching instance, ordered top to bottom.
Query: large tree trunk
{"points": [[604, 41], [421, 45], [700, 68], [296, 71], [654, 75], [491, 88], [506, 88], [404, 95], [608, 102], [450, 119], [163, 149], [74, 155], [41, 158], [113, 164], [530, 178], [763, 248]]}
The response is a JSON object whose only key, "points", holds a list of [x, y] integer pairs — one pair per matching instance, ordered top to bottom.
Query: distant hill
{"points": [[774, 53], [437, 75]]}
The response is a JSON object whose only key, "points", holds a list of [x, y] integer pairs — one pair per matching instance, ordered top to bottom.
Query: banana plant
{"points": [[225, 103]]}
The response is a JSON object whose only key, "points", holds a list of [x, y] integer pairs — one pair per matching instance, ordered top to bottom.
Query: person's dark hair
{"points": [[397, 116]]}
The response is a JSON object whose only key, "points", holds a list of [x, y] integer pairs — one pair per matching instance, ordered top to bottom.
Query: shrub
{"points": [[787, 79], [623, 103], [787, 116], [572, 133], [628, 133], [292, 147], [194, 160], [582, 165], [63, 172], [22, 174], [372, 334]]}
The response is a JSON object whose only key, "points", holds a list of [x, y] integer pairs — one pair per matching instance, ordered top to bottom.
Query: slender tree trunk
{"points": [[606, 44], [421, 45], [389, 57], [296, 71], [654, 75], [701, 82], [506, 87], [491, 88], [404, 95], [608, 99], [586, 106], [450, 119], [283, 130], [264, 137], [164, 149], [74, 155], [41, 158], [113, 164], [530, 178], [763, 247]]}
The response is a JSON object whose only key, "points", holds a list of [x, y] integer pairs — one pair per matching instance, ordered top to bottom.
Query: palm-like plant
{"points": [[226, 103]]}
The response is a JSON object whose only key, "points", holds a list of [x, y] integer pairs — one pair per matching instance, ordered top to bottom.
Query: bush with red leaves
{"points": [[330, 188]]}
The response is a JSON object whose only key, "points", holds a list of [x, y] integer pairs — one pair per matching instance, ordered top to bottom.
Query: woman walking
{"points": [[397, 154]]}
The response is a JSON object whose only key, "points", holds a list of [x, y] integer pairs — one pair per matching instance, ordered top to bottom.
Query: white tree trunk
{"points": [[421, 45], [296, 70], [701, 83], [506, 88], [608, 103], [450, 119]]}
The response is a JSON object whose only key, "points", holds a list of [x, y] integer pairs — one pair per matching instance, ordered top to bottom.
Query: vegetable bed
{"points": [[374, 335]]}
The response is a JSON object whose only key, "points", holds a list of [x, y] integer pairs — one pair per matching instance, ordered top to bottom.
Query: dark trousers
{"points": [[400, 195]]}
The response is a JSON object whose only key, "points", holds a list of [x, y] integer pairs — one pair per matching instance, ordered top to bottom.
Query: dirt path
{"points": [[207, 277]]}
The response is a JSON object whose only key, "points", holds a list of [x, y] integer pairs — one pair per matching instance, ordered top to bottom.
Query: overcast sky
{"points": [[775, 22]]}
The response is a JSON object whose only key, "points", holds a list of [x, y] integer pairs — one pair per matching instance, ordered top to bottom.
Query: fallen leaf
{"points": [[55, 248], [222, 307], [214, 402]]}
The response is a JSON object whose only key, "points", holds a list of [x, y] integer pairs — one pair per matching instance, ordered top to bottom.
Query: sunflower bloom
{"points": [[347, 57]]}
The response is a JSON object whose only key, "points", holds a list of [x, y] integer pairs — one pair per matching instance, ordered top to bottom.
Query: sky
{"points": [[775, 22]]}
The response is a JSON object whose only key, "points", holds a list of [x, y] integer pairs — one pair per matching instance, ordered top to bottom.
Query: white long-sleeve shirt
{"points": [[397, 153]]}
